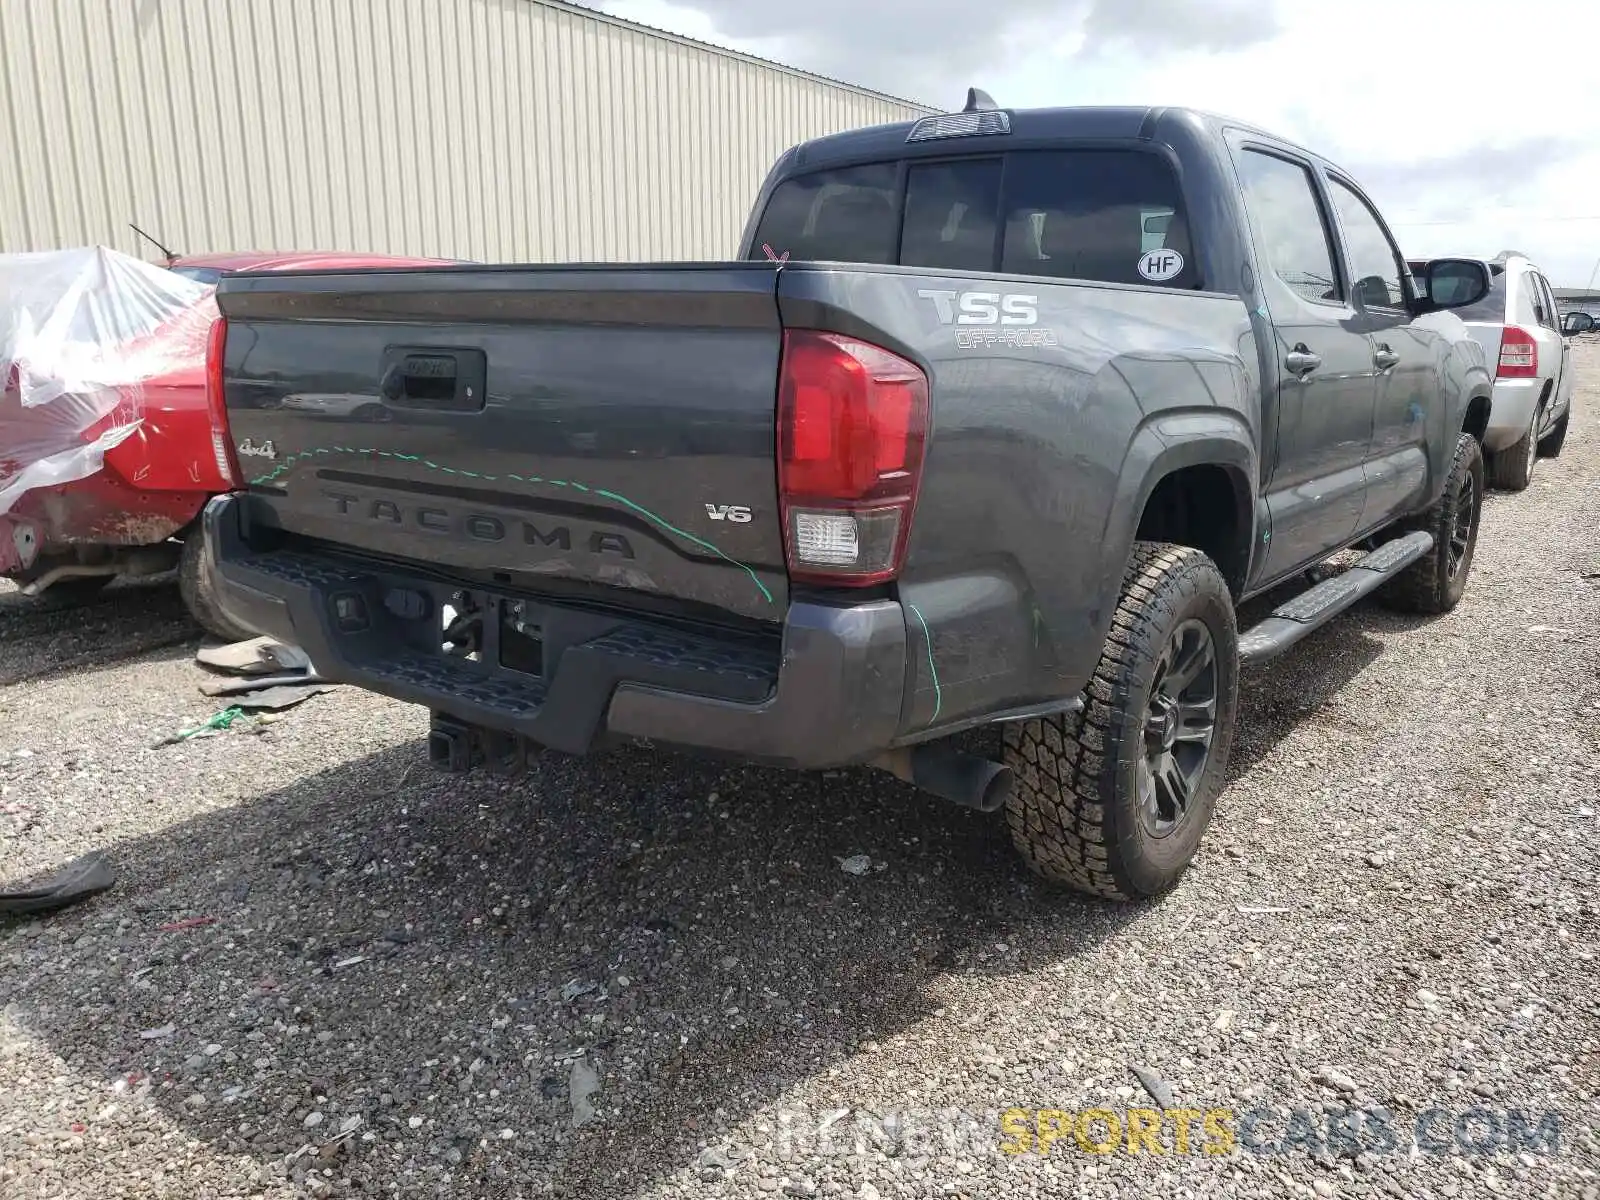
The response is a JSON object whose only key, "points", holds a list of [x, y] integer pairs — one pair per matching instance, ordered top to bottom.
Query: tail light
{"points": [[1519, 354], [852, 422], [221, 440]]}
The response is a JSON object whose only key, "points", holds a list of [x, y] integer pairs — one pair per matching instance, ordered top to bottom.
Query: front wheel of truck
{"points": [[1113, 800]]}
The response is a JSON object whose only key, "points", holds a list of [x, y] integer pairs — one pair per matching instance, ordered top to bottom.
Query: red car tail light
{"points": [[1519, 354], [852, 423], [221, 439]]}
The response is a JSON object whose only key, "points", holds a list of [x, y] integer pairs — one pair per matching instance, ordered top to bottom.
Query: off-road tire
{"points": [[1550, 446], [1511, 469], [1427, 585], [197, 594], [1074, 809]]}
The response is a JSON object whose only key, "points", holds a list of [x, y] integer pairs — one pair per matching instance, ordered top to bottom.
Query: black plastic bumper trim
{"points": [[832, 697]]}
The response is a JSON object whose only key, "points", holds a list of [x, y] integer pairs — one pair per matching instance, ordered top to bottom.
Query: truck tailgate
{"points": [[577, 430]]}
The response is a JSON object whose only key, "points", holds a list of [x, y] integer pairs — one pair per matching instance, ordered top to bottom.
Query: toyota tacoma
{"points": [[997, 420]]}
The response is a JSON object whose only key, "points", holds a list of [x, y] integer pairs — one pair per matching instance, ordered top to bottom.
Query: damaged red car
{"points": [[108, 450]]}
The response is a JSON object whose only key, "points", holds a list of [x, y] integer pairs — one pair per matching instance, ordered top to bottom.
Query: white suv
{"points": [[1519, 328]]}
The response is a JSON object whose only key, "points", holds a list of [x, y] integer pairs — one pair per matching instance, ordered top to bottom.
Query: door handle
{"points": [[1383, 358], [1301, 361]]}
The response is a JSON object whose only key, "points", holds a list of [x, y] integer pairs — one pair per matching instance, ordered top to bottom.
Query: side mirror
{"points": [[1454, 282], [1372, 292], [1577, 322]]}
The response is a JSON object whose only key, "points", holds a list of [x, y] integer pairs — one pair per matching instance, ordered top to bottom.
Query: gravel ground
{"points": [[404, 982]]}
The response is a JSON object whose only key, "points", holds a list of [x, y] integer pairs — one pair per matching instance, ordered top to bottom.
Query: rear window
{"points": [[848, 215], [1108, 215], [206, 275], [1492, 308]]}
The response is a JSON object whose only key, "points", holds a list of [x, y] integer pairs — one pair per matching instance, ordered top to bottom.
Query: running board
{"points": [[1318, 605]]}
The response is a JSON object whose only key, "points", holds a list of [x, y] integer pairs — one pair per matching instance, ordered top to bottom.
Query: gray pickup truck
{"points": [[1001, 418]]}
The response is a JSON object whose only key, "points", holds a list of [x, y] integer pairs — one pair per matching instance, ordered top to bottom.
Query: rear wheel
{"points": [[1550, 447], [1511, 470], [1435, 583], [197, 593], [1113, 800]]}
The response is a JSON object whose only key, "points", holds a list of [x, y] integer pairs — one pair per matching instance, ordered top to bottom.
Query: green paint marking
{"points": [[281, 468], [645, 512], [938, 694]]}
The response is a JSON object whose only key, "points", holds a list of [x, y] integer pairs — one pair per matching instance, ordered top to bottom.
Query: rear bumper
{"points": [[1511, 412], [97, 511], [829, 694]]}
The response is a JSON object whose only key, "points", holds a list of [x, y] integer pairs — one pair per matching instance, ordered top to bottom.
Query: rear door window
{"points": [[1096, 214], [1113, 216]]}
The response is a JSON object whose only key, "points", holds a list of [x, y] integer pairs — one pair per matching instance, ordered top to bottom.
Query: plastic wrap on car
{"points": [[81, 333]]}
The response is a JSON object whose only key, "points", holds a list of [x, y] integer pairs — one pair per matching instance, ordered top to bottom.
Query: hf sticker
{"points": [[1158, 266]]}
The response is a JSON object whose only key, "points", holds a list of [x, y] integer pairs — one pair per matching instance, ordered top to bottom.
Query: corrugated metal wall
{"points": [[511, 130]]}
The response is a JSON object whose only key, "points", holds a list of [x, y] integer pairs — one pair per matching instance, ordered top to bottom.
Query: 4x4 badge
{"points": [[250, 450]]}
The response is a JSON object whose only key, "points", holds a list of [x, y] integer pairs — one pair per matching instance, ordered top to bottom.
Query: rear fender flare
{"points": [[1167, 443]]}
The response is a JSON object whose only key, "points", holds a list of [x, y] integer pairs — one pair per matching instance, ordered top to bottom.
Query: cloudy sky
{"points": [[1474, 124]]}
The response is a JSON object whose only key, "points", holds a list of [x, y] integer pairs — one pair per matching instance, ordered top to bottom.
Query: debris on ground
{"points": [[257, 656], [274, 675], [254, 683], [277, 698], [213, 725], [856, 864], [77, 881], [583, 1083], [1160, 1090]]}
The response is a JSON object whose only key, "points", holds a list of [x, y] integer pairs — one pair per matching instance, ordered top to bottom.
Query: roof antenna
{"points": [[979, 100], [171, 257]]}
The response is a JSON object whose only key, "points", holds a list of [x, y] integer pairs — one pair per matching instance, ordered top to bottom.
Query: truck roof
{"points": [[1034, 125]]}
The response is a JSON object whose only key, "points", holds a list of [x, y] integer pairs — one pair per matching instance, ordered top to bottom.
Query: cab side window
{"points": [[1375, 264]]}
